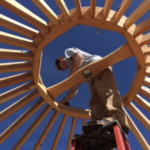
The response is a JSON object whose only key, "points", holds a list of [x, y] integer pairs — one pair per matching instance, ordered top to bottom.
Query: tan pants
{"points": [[106, 102]]}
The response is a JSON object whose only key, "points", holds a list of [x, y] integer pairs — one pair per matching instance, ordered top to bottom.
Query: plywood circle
{"points": [[100, 17]]}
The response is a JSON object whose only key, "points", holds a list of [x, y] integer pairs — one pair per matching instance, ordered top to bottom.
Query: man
{"points": [[106, 104]]}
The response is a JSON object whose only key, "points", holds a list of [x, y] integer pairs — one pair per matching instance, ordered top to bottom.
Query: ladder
{"points": [[102, 139]]}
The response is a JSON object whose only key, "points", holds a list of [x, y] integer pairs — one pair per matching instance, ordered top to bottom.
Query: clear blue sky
{"points": [[85, 38]]}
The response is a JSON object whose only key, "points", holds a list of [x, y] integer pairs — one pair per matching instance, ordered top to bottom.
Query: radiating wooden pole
{"points": [[79, 7], [92, 8], [145, 39], [15, 79], [147, 82], [145, 91], [4, 97], [18, 105], [21, 120], [32, 128], [60, 130], [46, 131], [71, 132], [137, 133]]}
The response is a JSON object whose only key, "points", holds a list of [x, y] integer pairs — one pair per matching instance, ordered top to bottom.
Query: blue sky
{"points": [[85, 38]]}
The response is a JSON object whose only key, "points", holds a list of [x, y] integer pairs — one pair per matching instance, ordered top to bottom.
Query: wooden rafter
{"points": [[42, 5], [63, 7], [79, 7], [92, 8], [107, 8], [123, 8], [25, 13], [138, 13], [19, 27], [142, 27], [145, 39], [17, 41], [146, 50], [15, 55], [15, 67], [15, 79], [147, 81], [145, 91], [16, 92], [142, 102], [19, 104], [142, 118], [33, 127], [12, 128], [46, 130], [60, 130], [71, 132], [137, 133]]}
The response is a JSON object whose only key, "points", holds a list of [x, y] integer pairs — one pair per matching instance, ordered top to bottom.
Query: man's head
{"points": [[61, 64]]}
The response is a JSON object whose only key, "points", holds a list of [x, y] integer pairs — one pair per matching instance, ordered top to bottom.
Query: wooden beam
{"points": [[42, 5], [63, 7], [79, 7], [92, 8], [107, 8], [123, 8], [25, 13], [137, 14], [19, 27], [142, 27], [145, 39], [17, 41], [146, 50], [15, 55], [37, 62], [147, 63], [15, 67], [147, 71], [77, 78], [15, 79], [147, 82], [43, 91], [145, 91], [16, 92], [142, 102], [18, 105], [137, 113], [21, 120], [73, 126], [32, 128], [60, 130], [46, 131], [137, 133]]}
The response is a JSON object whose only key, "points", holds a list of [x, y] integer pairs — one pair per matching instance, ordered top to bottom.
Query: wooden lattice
{"points": [[30, 62]]}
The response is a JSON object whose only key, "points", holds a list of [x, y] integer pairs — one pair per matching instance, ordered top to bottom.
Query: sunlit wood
{"points": [[42, 5], [63, 7], [79, 7], [107, 7], [92, 8], [123, 8], [25, 13], [138, 13], [19, 27], [142, 27], [145, 39], [17, 41], [146, 50], [121, 53], [15, 54], [147, 63], [15, 67], [15, 79], [147, 81], [145, 91], [16, 92], [142, 102], [18, 105], [142, 118], [22, 119], [32, 128], [46, 130], [60, 130], [71, 132], [137, 133]]}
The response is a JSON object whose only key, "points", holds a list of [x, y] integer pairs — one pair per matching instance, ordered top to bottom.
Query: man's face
{"points": [[63, 64]]}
